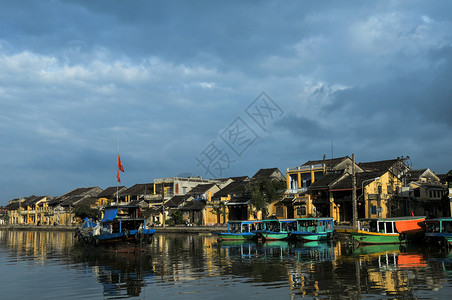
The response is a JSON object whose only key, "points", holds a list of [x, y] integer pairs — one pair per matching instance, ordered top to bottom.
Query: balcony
{"points": [[306, 168], [296, 191]]}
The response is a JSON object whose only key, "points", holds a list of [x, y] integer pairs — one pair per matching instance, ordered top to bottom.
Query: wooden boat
{"points": [[120, 225], [277, 229], [313, 229], [241, 230], [388, 230], [439, 231]]}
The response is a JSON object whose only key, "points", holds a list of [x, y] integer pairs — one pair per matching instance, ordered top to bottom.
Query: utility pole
{"points": [[163, 205], [355, 206]]}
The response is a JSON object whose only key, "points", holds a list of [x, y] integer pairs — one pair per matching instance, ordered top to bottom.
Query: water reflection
{"points": [[194, 267], [119, 274]]}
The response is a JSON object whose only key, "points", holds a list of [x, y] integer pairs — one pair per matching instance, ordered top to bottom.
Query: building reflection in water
{"points": [[180, 261], [121, 274]]}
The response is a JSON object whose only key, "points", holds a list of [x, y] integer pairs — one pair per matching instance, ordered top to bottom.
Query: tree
{"points": [[264, 192], [83, 210], [219, 210], [178, 217]]}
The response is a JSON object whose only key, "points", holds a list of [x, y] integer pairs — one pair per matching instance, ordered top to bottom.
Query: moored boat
{"points": [[120, 225], [277, 229], [313, 229], [241, 230], [388, 230], [439, 231]]}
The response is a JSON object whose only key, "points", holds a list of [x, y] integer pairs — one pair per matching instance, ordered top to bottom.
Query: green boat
{"points": [[277, 229], [313, 229], [241, 230], [388, 230], [439, 231]]}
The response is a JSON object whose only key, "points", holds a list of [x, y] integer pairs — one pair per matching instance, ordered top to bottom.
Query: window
{"points": [[301, 210], [373, 210], [280, 211]]}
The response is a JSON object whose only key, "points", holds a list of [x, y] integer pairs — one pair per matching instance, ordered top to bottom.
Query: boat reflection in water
{"points": [[188, 266], [120, 274]]}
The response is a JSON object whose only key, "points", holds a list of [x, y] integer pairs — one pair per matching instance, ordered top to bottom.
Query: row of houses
{"points": [[316, 188]]}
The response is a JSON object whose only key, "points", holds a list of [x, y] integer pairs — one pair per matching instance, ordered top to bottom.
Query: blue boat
{"points": [[120, 225], [277, 229], [313, 229], [241, 230], [439, 231]]}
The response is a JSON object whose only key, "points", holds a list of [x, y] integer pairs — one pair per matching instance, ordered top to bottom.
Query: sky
{"points": [[217, 88]]}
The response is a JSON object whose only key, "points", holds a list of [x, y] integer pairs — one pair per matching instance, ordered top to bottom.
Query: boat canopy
{"points": [[110, 215], [408, 225]]}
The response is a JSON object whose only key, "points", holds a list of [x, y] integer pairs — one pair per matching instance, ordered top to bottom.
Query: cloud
{"points": [[167, 78]]}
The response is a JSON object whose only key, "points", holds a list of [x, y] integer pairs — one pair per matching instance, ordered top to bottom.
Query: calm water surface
{"points": [[52, 265]]}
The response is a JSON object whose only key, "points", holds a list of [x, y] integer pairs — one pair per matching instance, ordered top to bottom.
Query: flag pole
{"points": [[117, 180]]}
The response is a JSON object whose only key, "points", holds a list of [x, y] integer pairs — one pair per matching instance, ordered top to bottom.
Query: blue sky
{"points": [[217, 89]]}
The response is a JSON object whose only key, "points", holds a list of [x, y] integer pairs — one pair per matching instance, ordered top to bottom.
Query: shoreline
{"points": [[167, 229], [341, 232]]}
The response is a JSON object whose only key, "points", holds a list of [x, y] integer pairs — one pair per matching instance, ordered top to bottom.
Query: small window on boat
{"points": [[447, 226], [381, 227], [389, 227]]}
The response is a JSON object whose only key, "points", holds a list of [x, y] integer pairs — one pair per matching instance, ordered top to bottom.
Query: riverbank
{"points": [[167, 229], [341, 232]]}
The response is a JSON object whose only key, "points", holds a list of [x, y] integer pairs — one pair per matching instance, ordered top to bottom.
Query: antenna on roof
{"points": [[332, 153]]}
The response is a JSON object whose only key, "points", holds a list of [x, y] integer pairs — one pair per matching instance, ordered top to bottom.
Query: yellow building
{"points": [[298, 201], [33, 210]]}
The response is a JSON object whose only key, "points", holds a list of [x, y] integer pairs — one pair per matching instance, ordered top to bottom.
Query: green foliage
{"points": [[264, 192], [219, 209], [84, 210], [178, 217]]}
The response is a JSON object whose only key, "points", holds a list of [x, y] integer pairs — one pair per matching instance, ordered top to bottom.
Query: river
{"points": [[52, 265]]}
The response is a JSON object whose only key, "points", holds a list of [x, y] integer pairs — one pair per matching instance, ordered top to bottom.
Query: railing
{"points": [[304, 168], [296, 191]]}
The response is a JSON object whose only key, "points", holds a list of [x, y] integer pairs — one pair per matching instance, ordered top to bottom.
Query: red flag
{"points": [[120, 167], [119, 178]]}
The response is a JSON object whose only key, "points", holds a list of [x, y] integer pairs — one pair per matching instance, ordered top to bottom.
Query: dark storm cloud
{"points": [[166, 78]]}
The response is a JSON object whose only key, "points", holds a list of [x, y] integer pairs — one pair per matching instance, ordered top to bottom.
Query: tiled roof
{"points": [[329, 163], [382, 165], [265, 173], [240, 178], [325, 181], [346, 181], [234, 188], [139, 189], [201, 189], [110, 192], [77, 194], [175, 201], [194, 205], [12, 206]]}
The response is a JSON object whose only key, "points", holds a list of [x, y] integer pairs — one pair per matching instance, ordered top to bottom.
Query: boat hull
{"points": [[227, 236], [273, 236], [311, 236], [364, 237], [441, 239]]}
